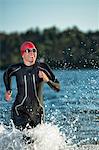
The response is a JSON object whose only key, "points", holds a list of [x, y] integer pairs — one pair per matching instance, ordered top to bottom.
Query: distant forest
{"points": [[70, 48]]}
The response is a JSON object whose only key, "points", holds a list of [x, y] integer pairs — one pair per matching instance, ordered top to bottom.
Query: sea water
{"points": [[71, 115]]}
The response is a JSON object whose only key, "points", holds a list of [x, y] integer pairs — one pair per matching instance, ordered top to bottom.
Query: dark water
{"points": [[75, 109]]}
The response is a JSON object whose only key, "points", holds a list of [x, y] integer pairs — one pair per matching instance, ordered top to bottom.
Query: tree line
{"points": [[70, 48]]}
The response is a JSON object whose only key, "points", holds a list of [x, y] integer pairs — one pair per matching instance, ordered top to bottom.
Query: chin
{"points": [[32, 62]]}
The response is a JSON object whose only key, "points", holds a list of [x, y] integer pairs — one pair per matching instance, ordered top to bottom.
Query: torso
{"points": [[28, 82]]}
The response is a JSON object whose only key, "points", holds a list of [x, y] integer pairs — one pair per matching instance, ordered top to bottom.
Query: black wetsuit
{"points": [[28, 106]]}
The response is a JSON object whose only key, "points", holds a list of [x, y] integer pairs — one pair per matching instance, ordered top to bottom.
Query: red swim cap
{"points": [[26, 45]]}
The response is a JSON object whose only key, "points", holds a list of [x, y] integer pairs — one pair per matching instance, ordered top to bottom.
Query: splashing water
{"points": [[75, 111], [43, 137]]}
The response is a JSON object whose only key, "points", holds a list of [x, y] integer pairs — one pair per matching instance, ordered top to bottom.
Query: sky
{"points": [[22, 15]]}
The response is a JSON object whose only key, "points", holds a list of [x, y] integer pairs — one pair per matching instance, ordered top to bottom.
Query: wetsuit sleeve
{"points": [[7, 77], [53, 82]]}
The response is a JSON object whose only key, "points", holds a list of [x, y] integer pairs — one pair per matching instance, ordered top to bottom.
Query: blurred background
{"points": [[65, 32]]}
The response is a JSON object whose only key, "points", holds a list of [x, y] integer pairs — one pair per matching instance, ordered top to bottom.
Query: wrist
{"points": [[47, 80]]}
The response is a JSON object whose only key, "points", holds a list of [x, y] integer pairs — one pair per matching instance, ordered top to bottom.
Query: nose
{"points": [[31, 53]]}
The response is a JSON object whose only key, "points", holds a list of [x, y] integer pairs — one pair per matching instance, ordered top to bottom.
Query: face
{"points": [[30, 56]]}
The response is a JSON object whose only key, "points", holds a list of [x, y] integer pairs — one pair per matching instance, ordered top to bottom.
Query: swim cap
{"points": [[26, 45]]}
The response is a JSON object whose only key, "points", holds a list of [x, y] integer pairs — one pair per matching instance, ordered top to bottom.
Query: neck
{"points": [[29, 63]]}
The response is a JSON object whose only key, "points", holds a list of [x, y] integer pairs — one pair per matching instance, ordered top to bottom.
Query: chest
{"points": [[29, 76]]}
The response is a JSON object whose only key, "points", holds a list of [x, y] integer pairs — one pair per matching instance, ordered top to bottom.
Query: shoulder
{"points": [[43, 65], [13, 68], [46, 68]]}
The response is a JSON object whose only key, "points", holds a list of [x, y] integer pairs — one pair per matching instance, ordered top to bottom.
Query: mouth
{"points": [[32, 58]]}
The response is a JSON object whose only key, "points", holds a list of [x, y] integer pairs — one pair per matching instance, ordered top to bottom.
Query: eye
{"points": [[27, 50], [34, 50]]}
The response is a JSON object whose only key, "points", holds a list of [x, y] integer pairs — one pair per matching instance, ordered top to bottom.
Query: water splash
{"points": [[43, 137]]}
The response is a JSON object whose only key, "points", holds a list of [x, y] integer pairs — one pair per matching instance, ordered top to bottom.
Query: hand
{"points": [[43, 76], [8, 95]]}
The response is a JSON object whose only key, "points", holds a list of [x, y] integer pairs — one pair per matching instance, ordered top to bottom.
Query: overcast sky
{"points": [[22, 15]]}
